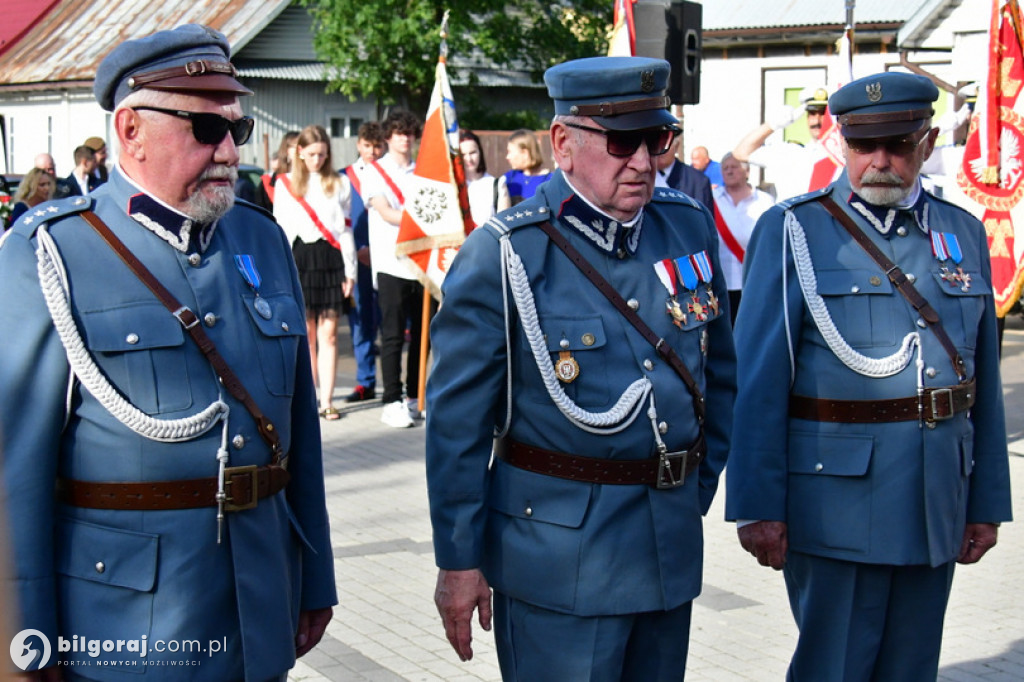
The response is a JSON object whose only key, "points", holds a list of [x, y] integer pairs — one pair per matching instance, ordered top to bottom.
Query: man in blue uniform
{"points": [[872, 452], [587, 524], [189, 527]]}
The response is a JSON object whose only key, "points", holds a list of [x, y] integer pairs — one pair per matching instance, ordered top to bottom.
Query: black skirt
{"points": [[321, 274]]}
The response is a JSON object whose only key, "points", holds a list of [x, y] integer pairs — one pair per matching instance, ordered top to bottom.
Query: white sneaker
{"points": [[414, 408], [396, 415]]}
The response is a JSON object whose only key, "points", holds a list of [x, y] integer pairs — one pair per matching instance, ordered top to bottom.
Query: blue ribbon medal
{"points": [[945, 247], [247, 267]]}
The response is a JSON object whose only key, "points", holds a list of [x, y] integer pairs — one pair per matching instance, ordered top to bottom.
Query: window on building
{"points": [[345, 126]]}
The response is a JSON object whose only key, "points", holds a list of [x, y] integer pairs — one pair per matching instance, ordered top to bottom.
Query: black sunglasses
{"points": [[211, 128], [624, 143], [896, 146]]}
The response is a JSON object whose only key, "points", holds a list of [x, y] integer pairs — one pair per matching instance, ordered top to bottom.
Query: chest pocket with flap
{"points": [[139, 347]]}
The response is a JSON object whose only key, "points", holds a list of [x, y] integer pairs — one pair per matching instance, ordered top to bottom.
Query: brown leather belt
{"points": [[935, 404], [661, 471], [244, 486]]}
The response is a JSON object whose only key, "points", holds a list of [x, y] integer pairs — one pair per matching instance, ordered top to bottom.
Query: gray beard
{"points": [[206, 207]]}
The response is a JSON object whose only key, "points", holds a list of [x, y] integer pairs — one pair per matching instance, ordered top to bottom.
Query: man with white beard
{"points": [[869, 451], [155, 496]]}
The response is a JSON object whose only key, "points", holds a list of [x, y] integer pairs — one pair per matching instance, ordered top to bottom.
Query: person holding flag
{"points": [[435, 220], [398, 292], [611, 397]]}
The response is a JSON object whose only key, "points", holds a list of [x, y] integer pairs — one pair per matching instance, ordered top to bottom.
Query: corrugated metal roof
{"points": [[739, 14], [68, 44], [289, 71]]}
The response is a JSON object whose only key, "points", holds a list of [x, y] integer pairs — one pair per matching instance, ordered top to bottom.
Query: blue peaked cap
{"points": [[188, 58], [619, 93], [884, 105]]}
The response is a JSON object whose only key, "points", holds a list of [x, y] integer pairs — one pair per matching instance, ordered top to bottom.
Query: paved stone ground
{"points": [[386, 629]]}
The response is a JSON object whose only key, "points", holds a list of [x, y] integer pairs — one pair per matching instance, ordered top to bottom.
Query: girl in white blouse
{"points": [[312, 204]]}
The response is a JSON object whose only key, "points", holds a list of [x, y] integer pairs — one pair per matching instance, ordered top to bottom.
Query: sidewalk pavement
{"points": [[386, 628]]}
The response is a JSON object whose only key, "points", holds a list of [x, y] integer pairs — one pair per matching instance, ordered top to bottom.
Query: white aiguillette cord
{"points": [[902, 284]]}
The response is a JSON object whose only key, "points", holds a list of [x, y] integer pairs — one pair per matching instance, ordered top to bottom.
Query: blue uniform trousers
{"points": [[363, 320], [866, 622], [539, 645]]}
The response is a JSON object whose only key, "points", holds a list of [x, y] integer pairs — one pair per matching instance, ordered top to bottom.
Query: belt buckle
{"points": [[942, 404], [230, 474], [667, 477]]}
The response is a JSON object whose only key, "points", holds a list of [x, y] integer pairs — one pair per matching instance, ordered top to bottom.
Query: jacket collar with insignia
{"points": [[913, 210], [174, 227], [607, 233]]}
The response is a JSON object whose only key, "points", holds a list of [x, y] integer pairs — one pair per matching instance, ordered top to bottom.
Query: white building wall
{"points": [[737, 94], [58, 122], [54, 123]]}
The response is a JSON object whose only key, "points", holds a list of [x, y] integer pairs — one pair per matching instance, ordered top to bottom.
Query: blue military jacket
{"points": [[892, 493], [566, 545], [160, 575]]}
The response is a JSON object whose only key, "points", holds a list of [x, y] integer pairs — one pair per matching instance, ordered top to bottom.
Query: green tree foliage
{"points": [[388, 48]]}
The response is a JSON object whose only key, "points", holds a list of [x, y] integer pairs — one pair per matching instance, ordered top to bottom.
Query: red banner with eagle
{"points": [[992, 173]]}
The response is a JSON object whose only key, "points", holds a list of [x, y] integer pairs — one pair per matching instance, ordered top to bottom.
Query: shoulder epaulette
{"points": [[674, 196], [803, 198], [50, 212], [518, 216]]}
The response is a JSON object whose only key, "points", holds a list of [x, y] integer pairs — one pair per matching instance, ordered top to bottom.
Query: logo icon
{"points": [[647, 80], [874, 91], [24, 655]]}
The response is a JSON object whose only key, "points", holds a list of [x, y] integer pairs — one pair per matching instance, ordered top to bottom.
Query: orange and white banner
{"points": [[992, 173], [436, 218]]}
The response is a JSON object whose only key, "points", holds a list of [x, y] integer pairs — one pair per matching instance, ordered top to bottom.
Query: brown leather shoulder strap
{"points": [[901, 282], [190, 322], [660, 345]]}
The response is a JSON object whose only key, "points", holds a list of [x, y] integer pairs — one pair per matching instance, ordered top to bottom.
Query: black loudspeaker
{"points": [[671, 30]]}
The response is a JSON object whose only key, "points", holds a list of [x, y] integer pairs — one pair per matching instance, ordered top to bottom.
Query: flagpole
{"points": [[848, 30], [421, 400]]}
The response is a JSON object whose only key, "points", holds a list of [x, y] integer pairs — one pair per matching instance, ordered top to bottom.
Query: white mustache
{"points": [[220, 173]]}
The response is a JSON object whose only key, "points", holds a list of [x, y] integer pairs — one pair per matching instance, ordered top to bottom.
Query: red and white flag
{"points": [[622, 42], [827, 168], [992, 172], [436, 218]]}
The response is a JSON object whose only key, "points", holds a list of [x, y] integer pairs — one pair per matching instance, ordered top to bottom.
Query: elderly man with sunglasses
{"points": [[607, 400], [869, 454], [162, 455]]}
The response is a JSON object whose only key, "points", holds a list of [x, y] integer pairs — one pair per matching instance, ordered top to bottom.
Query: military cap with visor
{"points": [[189, 58], [619, 93], [884, 105]]}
